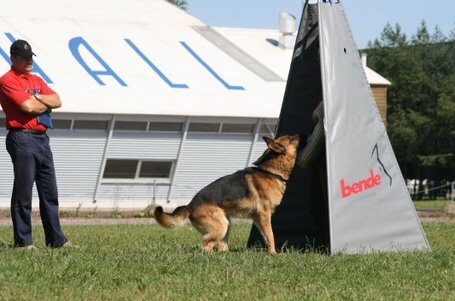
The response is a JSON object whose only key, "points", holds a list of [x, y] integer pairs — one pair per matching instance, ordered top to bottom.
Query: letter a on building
{"points": [[350, 195]]}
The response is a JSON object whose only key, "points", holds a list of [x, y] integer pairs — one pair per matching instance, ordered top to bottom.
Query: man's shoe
{"points": [[66, 245], [69, 245], [28, 248]]}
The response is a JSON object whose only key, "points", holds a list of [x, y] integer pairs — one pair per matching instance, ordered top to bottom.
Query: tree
{"points": [[180, 3], [452, 34], [393, 36], [422, 36], [438, 36], [421, 100]]}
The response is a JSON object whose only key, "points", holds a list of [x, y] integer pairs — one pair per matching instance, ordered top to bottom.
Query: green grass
{"points": [[431, 205], [145, 262]]}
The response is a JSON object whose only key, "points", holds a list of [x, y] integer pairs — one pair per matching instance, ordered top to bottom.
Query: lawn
{"points": [[432, 205], [145, 262]]}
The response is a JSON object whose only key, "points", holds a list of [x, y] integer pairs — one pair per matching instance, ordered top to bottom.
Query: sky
{"points": [[367, 18]]}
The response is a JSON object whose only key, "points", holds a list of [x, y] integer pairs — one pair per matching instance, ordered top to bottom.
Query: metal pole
{"points": [[253, 143], [179, 158], [104, 159], [452, 192]]}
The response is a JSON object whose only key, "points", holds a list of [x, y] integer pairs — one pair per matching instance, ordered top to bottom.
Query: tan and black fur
{"points": [[253, 193]]}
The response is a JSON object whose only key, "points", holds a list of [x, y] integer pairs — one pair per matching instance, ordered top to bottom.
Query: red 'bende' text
{"points": [[372, 181]]}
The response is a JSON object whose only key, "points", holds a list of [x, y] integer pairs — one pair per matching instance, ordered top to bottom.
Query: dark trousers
{"points": [[33, 162]]}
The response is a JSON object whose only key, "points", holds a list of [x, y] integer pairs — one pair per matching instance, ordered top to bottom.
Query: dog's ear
{"points": [[267, 140], [276, 147]]}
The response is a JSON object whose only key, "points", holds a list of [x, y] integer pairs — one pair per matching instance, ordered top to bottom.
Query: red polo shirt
{"points": [[15, 88]]}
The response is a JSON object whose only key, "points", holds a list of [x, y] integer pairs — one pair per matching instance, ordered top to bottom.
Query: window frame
{"points": [[77, 122], [124, 123], [199, 124], [181, 125], [229, 126], [137, 179]]}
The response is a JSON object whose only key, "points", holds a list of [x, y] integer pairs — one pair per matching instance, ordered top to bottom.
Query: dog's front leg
{"points": [[264, 221]]}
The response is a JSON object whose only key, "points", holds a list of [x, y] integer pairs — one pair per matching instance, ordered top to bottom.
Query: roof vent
{"points": [[287, 28], [364, 59]]}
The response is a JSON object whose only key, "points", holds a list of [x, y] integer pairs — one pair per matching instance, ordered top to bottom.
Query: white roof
{"points": [[147, 57], [374, 78]]}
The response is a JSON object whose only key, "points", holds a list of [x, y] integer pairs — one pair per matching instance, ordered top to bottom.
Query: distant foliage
{"points": [[183, 4], [421, 100]]}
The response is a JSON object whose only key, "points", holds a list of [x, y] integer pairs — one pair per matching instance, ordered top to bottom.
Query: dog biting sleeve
{"points": [[315, 142]]}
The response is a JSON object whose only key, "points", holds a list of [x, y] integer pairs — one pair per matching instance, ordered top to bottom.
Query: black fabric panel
{"points": [[301, 221]]}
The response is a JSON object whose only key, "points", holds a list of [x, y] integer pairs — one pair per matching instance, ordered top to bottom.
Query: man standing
{"points": [[27, 101]]}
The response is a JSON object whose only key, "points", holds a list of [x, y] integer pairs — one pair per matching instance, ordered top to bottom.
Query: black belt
{"points": [[27, 131]]}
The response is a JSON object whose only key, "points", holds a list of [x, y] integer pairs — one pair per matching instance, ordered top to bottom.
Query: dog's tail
{"points": [[170, 220]]}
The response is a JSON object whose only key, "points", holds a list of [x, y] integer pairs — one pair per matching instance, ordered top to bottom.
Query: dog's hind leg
{"points": [[263, 220], [212, 222], [218, 227], [208, 242], [223, 244]]}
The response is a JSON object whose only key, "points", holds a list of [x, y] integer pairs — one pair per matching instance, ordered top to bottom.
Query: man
{"points": [[27, 101]]}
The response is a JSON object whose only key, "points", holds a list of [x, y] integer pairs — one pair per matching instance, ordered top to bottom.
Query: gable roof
{"points": [[147, 57]]}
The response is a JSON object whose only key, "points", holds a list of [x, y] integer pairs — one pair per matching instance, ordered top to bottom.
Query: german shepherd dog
{"points": [[253, 192]]}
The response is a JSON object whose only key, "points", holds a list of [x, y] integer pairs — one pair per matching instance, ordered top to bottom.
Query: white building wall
{"points": [[134, 145], [142, 146], [259, 148], [78, 155], [77, 158], [205, 158], [6, 172], [129, 195]]}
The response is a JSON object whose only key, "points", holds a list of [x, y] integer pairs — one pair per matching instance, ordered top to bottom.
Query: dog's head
{"points": [[283, 144], [280, 151]]}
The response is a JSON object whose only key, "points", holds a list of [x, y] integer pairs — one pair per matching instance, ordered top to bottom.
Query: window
{"points": [[2, 122], [61, 124], [90, 125], [130, 126], [165, 126], [204, 127], [237, 128], [120, 169], [133, 169], [155, 169]]}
